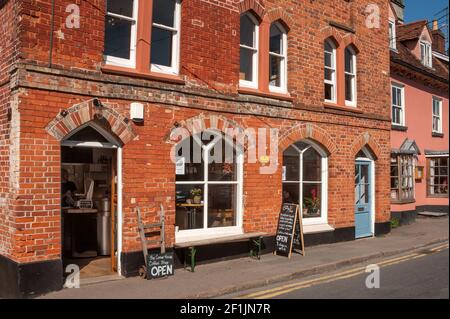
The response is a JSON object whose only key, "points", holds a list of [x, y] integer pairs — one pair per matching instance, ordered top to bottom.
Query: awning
{"points": [[409, 147], [436, 153]]}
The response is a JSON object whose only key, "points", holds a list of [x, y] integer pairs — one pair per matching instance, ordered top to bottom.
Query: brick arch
{"points": [[256, 7], [280, 15], [333, 34], [351, 40], [79, 114], [201, 123], [306, 131], [368, 140]]}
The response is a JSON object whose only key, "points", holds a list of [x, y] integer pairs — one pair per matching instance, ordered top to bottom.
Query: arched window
{"points": [[277, 58], [330, 71], [248, 75], [350, 76], [305, 168], [208, 185]]}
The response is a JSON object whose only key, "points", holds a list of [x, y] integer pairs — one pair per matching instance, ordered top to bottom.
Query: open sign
{"points": [[160, 265]]}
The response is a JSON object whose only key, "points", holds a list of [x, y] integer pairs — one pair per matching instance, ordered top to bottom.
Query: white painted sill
{"points": [[319, 228]]}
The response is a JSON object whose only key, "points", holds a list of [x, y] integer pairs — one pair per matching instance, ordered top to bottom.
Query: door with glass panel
{"points": [[363, 199]]}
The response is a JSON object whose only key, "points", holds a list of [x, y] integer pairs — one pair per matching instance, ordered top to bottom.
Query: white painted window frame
{"points": [[392, 34], [426, 56], [175, 59], [128, 63], [283, 68], [333, 70], [354, 82], [254, 83], [402, 106], [438, 116], [323, 219], [188, 235]]}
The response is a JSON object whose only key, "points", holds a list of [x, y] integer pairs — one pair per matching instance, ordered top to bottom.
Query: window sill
{"points": [[169, 78], [271, 95], [353, 109], [401, 128], [436, 134], [437, 196], [401, 202], [319, 228]]}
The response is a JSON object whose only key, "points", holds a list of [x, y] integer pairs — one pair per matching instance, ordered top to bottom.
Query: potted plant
{"points": [[196, 194], [312, 204]]}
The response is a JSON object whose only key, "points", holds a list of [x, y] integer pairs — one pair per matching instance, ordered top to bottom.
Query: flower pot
{"points": [[197, 199]]}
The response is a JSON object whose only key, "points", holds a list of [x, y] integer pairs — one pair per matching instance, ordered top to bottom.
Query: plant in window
{"points": [[196, 194], [312, 204]]}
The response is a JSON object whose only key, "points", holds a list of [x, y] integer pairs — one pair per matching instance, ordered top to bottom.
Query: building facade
{"points": [[103, 103], [420, 113]]}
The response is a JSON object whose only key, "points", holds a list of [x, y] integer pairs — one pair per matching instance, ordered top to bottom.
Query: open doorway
{"points": [[89, 201]]}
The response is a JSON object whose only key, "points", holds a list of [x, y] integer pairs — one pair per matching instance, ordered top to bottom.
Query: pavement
{"points": [[227, 277]]}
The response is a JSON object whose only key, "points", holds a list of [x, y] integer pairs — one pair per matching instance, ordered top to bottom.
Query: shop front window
{"points": [[437, 177], [402, 178], [304, 180], [208, 183]]}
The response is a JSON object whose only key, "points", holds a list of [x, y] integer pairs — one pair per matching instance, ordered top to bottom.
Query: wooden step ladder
{"points": [[147, 230]]}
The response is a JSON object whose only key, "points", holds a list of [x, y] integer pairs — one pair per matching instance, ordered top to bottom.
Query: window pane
{"points": [[122, 7], [164, 12], [247, 31], [117, 38], [276, 39], [328, 46], [161, 49], [328, 60], [348, 61], [275, 71], [246, 72], [328, 74], [349, 87], [329, 91], [394, 96], [291, 160], [189, 161], [312, 165], [223, 167], [291, 193], [311, 200], [221, 205], [189, 206]]}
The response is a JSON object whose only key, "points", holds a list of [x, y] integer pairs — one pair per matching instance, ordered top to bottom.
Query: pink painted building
{"points": [[420, 118]]}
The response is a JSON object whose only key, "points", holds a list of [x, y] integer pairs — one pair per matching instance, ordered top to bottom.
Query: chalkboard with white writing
{"points": [[289, 230], [159, 265]]}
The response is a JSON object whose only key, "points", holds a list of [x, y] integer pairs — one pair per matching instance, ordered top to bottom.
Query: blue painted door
{"points": [[363, 200]]}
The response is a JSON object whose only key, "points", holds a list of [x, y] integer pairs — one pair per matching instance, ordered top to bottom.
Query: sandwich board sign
{"points": [[289, 231], [159, 265]]}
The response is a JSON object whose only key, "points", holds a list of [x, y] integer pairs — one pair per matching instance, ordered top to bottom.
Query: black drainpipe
{"points": [[51, 35]]}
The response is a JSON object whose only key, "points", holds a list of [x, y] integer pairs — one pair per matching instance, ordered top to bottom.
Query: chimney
{"points": [[399, 8], [438, 38]]}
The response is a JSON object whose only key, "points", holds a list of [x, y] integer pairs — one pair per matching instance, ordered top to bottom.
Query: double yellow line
{"points": [[281, 290]]}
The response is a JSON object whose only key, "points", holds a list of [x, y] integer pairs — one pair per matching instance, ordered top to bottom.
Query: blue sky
{"points": [[423, 9]]}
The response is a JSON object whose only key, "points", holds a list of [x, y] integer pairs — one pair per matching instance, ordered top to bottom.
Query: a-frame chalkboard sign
{"points": [[289, 231]]}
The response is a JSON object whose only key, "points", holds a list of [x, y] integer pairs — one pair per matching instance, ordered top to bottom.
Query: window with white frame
{"points": [[120, 32], [392, 35], [165, 39], [249, 42], [426, 56], [277, 58], [330, 71], [350, 76], [398, 105], [437, 115], [402, 178], [305, 180], [437, 180], [208, 185]]}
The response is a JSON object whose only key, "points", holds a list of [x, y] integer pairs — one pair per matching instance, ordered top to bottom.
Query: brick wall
{"points": [[210, 66]]}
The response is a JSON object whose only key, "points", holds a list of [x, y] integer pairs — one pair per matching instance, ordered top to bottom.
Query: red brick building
{"points": [[90, 94], [420, 113]]}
